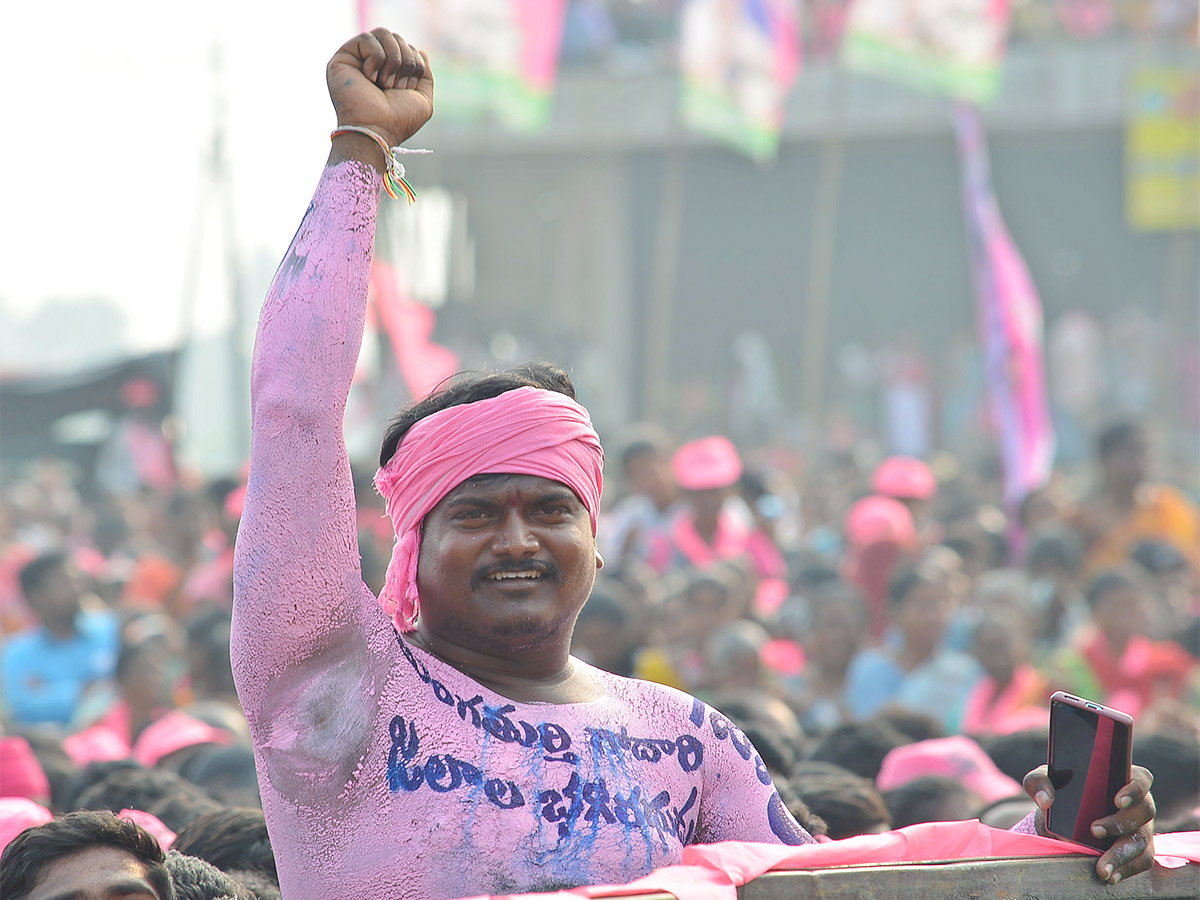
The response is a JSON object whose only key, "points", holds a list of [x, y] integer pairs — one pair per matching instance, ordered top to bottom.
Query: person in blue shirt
{"points": [[46, 669], [921, 673]]}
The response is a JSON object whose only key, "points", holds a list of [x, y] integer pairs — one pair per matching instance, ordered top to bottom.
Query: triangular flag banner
{"points": [[955, 49], [490, 57], [739, 60], [1010, 323]]}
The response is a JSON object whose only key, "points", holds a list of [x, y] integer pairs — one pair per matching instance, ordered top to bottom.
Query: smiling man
{"points": [[440, 741]]}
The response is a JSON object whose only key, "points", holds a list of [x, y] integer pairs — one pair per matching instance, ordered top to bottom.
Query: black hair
{"points": [[471, 387], [1114, 437], [639, 447], [1056, 546], [1158, 557], [37, 571], [811, 577], [1108, 581], [904, 584], [836, 592], [605, 605], [208, 635], [916, 726], [858, 747], [777, 753], [1017, 753], [1175, 762], [60, 769], [222, 771], [92, 773], [163, 793], [922, 799], [849, 804], [807, 819], [233, 838], [30, 852], [195, 879]]}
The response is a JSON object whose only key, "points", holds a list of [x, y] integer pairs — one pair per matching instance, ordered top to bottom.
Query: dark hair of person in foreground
{"points": [[231, 839], [26, 859]]}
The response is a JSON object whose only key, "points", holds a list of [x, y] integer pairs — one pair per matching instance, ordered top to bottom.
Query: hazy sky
{"points": [[108, 107]]}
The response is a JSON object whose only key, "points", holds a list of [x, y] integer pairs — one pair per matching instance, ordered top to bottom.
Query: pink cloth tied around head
{"points": [[527, 431]]}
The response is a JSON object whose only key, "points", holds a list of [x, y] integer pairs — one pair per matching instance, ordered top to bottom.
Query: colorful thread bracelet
{"points": [[393, 177]]}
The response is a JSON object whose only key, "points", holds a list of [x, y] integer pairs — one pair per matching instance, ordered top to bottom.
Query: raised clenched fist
{"points": [[378, 80]]}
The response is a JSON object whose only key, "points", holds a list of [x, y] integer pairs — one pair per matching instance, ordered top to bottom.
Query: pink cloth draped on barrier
{"points": [[715, 871]]}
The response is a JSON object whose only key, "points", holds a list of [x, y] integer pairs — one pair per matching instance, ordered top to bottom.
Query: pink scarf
{"points": [[527, 431]]}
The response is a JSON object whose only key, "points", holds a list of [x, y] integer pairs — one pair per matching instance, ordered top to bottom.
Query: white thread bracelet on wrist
{"points": [[393, 178]]}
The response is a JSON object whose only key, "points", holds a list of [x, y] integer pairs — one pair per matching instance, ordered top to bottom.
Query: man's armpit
{"points": [[318, 718]]}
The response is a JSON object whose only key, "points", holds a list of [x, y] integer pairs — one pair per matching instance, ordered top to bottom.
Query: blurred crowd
{"points": [[883, 630]]}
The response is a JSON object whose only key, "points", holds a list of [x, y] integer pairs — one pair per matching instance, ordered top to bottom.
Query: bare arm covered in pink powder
{"points": [[301, 610]]}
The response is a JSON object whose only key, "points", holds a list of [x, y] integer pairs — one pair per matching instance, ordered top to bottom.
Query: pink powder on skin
{"points": [[384, 772]]}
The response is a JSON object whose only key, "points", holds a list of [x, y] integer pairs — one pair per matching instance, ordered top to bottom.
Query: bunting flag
{"points": [[952, 48], [490, 57], [739, 59], [1162, 149], [1010, 323], [409, 325]]}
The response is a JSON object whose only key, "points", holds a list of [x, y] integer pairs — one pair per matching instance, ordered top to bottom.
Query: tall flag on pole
{"points": [[954, 48], [491, 57], [739, 60], [1010, 323]]}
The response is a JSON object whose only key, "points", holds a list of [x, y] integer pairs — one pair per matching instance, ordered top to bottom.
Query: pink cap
{"points": [[708, 463], [905, 477], [874, 519], [783, 656], [172, 732], [96, 744], [954, 757], [21, 775], [17, 814], [151, 823]]}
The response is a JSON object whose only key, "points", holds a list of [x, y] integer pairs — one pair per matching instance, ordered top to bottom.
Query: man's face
{"points": [[1128, 463], [650, 474], [506, 561], [56, 602], [924, 615], [98, 873]]}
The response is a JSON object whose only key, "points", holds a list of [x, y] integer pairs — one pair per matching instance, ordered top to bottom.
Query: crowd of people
{"points": [[887, 639], [867, 644]]}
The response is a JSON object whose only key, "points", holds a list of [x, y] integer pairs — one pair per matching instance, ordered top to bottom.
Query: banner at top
{"points": [[954, 47], [490, 57], [739, 59]]}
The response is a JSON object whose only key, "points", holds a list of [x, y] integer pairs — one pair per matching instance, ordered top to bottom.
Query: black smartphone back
{"points": [[1089, 761]]}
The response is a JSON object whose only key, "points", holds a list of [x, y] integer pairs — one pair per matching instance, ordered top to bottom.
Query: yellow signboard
{"points": [[1162, 150]]}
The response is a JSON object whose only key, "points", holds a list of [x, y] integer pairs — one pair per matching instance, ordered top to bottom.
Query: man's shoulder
{"points": [[648, 696]]}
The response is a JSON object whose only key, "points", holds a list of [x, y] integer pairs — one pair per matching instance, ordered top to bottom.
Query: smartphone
{"points": [[1089, 758]]}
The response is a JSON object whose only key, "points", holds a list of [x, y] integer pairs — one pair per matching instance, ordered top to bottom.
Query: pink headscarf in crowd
{"points": [[527, 431]]}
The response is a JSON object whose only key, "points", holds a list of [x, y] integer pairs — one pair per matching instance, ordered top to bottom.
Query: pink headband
{"points": [[527, 431]]}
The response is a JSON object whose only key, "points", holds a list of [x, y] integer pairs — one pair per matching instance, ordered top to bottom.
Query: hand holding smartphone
{"points": [[1089, 759]]}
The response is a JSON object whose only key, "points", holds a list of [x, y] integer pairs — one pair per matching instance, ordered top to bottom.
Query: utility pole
{"points": [[216, 187]]}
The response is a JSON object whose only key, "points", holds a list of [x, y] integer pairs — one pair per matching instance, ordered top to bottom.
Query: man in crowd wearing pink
{"points": [[447, 744]]}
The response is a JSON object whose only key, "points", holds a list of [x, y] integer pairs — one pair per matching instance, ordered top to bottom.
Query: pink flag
{"points": [[1010, 323], [409, 325]]}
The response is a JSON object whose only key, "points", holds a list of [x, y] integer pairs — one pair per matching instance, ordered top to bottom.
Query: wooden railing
{"points": [[1050, 878]]}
